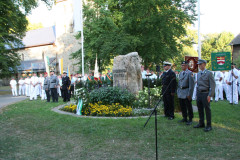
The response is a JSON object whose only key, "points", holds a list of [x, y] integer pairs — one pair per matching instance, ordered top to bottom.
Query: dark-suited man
{"points": [[46, 86], [65, 87], [168, 90], [205, 90], [185, 92]]}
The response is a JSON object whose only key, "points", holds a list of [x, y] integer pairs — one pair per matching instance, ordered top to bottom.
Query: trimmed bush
{"points": [[110, 95]]}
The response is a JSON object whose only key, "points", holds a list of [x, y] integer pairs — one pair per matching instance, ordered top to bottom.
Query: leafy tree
{"points": [[13, 24], [152, 28], [215, 43]]}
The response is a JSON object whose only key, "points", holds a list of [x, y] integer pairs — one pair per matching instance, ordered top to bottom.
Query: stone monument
{"points": [[127, 72]]}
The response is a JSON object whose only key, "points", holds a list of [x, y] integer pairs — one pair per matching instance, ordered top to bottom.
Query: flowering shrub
{"points": [[83, 94], [142, 97], [70, 108], [113, 110]]}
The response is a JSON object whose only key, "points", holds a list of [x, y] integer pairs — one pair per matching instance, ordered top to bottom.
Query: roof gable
{"points": [[236, 40]]}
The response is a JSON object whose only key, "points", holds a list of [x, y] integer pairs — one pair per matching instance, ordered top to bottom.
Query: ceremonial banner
{"points": [[46, 60], [221, 61], [192, 62], [61, 66], [96, 74]]}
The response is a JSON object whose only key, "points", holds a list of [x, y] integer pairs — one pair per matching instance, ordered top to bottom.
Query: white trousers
{"points": [[225, 89], [239, 89], [21, 90], [27, 90], [40, 90], [14, 91], [59, 91], [34, 92], [218, 92], [233, 94], [44, 96]]}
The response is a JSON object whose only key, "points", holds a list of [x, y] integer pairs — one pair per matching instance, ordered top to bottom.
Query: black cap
{"points": [[184, 62]]}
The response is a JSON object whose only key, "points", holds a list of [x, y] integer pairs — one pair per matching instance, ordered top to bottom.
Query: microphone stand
{"points": [[148, 77], [155, 112]]}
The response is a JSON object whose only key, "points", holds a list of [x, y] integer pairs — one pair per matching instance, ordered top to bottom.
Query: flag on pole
{"points": [[46, 60], [221, 61], [61, 66], [96, 73]]}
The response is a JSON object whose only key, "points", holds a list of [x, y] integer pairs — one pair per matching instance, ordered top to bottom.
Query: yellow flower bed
{"points": [[70, 108], [113, 110]]}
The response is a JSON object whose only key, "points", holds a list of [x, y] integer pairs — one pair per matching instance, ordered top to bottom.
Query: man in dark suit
{"points": [[65, 86], [168, 90]]}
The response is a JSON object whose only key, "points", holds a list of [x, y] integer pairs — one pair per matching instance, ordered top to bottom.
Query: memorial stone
{"points": [[127, 72]]}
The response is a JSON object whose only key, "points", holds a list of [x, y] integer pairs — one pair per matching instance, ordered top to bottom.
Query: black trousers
{"points": [[54, 94], [48, 95], [65, 95], [168, 101], [202, 104], [186, 107]]}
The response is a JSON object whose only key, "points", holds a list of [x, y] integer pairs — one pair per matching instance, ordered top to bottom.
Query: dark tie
{"points": [[183, 73]]}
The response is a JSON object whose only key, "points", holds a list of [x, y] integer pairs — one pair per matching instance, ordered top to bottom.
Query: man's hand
{"points": [[172, 94], [189, 98], [208, 99]]}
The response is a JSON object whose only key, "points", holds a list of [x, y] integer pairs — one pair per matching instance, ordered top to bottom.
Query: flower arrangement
{"points": [[70, 108], [113, 110]]}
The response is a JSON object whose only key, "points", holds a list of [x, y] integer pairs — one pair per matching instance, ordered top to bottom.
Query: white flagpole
{"points": [[81, 10], [199, 36]]}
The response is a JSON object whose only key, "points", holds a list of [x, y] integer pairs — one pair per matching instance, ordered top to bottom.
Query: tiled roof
{"points": [[236, 40]]}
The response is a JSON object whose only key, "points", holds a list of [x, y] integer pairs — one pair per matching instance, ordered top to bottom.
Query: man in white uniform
{"points": [[143, 72], [41, 80], [232, 83], [13, 84], [60, 85], [225, 85], [27, 86], [21, 87], [34, 87], [218, 89], [43, 94]]}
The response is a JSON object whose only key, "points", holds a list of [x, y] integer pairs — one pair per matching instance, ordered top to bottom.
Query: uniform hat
{"points": [[200, 61], [184, 62], [165, 63], [52, 71], [64, 72], [45, 73]]}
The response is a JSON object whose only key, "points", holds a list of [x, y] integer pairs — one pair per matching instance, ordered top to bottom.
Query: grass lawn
{"points": [[30, 130]]}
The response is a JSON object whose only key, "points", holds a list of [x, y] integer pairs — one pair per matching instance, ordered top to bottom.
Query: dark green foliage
{"points": [[13, 24], [152, 28], [152, 83], [109, 95]]}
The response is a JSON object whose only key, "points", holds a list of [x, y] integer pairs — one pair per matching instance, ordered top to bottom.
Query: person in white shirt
{"points": [[143, 72], [153, 76], [41, 79], [239, 81], [232, 82], [13, 84], [225, 85], [27, 86], [59, 86], [21, 87], [34, 87], [195, 87], [218, 88], [44, 95]]}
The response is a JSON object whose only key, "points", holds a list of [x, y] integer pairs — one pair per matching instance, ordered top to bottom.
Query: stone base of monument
{"points": [[127, 72]]}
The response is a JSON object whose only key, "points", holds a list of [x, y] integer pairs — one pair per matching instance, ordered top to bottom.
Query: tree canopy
{"points": [[13, 24], [153, 28], [216, 43]]}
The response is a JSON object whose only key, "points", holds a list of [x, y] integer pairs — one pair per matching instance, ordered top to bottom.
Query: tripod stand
{"points": [[155, 113]]}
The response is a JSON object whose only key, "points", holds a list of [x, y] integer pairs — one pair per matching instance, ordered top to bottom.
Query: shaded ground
{"points": [[9, 99], [30, 130]]}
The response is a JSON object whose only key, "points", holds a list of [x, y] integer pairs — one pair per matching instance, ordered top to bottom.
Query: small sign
{"points": [[221, 61], [192, 62]]}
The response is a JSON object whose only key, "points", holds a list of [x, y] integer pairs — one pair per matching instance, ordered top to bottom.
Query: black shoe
{"points": [[170, 118], [183, 120], [189, 122], [199, 126], [207, 129]]}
